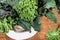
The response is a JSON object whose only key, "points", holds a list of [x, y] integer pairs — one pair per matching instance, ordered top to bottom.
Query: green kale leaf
{"points": [[51, 16]]}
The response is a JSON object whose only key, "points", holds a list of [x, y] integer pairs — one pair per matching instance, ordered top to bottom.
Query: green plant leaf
{"points": [[11, 2], [49, 4], [26, 9], [51, 16], [36, 23], [24, 24], [1, 28], [58, 29], [52, 35]]}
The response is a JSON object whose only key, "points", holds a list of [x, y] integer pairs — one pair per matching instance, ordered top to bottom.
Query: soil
{"points": [[4, 37]]}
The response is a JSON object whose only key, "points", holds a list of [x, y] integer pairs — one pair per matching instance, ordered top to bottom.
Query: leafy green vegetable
{"points": [[11, 2], [49, 4], [26, 9], [6, 10], [7, 14], [51, 16], [11, 22], [36, 23], [24, 24], [6, 25], [27, 26], [1, 28], [58, 30], [52, 35]]}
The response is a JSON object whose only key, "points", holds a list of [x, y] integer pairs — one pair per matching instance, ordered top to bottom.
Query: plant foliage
{"points": [[26, 9]]}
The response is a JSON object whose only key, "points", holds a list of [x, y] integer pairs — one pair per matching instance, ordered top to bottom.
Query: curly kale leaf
{"points": [[26, 9], [52, 35]]}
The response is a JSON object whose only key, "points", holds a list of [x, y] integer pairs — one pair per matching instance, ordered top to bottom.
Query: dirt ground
{"points": [[4, 37]]}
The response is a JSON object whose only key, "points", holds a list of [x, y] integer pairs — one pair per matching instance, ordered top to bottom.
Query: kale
{"points": [[10, 2], [26, 9], [6, 10], [7, 20], [52, 35]]}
